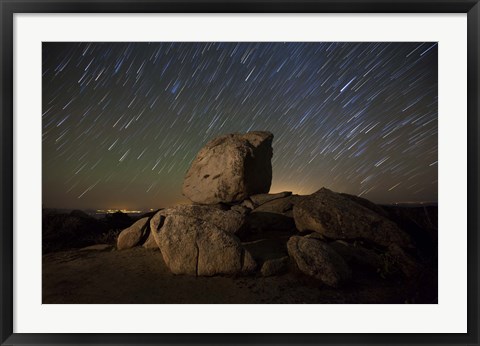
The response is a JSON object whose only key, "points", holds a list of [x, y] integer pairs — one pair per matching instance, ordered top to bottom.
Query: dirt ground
{"points": [[139, 276]]}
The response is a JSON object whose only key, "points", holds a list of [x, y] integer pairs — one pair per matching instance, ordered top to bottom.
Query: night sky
{"points": [[122, 122]]}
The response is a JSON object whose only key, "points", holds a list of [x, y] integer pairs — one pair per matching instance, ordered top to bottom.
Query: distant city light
{"points": [[111, 211]]}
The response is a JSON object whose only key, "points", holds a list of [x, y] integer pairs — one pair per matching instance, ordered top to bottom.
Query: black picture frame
{"points": [[10, 7]]}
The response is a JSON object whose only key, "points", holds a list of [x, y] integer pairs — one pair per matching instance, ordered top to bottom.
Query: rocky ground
{"points": [[236, 243], [140, 276]]}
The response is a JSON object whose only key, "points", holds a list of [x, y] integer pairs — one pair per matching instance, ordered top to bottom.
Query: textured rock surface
{"points": [[230, 168], [338, 217], [229, 221], [133, 235], [177, 242], [195, 247], [315, 258]]}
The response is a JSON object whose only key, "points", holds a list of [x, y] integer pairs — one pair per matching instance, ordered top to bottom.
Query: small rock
{"points": [[133, 235], [275, 266]]}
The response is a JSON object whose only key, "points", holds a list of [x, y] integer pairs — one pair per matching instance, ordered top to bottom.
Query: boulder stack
{"points": [[234, 226]]}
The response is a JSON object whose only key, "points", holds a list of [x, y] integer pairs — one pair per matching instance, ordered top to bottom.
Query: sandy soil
{"points": [[139, 276]]}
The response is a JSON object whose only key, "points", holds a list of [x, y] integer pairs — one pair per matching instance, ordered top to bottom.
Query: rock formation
{"points": [[236, 227]]}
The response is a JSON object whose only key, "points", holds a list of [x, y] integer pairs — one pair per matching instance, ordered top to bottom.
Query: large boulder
{"points": [[230, 168], [338, 217], [134, 235], [195, 247], [317, 259]]}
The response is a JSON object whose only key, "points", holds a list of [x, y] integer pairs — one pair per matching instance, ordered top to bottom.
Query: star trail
{"points": [[122, 122]]}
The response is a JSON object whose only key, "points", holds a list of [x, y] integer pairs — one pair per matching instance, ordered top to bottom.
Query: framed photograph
{"points": [[239, 173]]}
